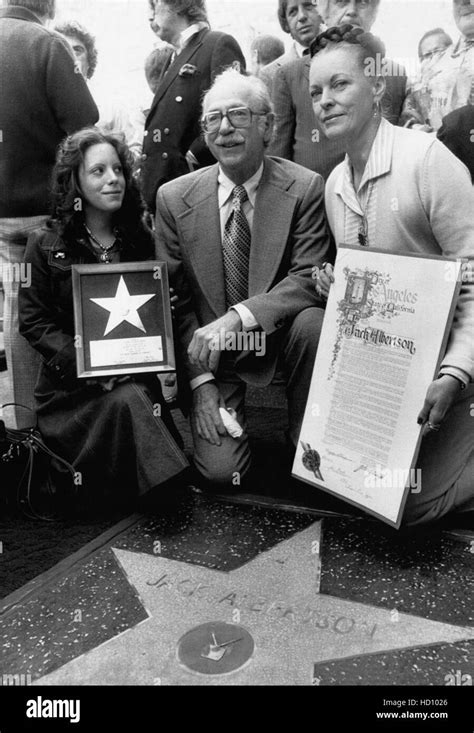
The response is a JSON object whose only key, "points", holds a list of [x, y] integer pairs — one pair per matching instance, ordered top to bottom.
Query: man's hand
{"points": [[204, 349], [441, 395], [205, 413]]}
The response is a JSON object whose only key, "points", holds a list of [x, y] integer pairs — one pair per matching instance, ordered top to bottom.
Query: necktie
{"points": [[167, 64], [236, 250]]}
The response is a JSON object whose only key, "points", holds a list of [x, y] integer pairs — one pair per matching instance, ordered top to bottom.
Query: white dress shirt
{"points": [[188, 33], [299, 49], [224, 197]]}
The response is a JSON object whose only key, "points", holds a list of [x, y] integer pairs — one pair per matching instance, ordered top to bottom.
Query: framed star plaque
{"points": [[122, 317]]}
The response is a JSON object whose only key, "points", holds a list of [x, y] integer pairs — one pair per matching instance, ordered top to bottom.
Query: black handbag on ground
{"points": [[27, 466]]}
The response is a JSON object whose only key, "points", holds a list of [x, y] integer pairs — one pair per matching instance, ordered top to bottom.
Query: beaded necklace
{"points": [[105, 256]]}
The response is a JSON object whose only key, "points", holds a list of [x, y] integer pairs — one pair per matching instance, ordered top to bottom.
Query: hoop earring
{"points": [[377, 107]]}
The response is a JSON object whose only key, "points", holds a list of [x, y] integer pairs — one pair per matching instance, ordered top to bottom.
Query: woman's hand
{"points": [[324, 278], [173, 300], [441, 395]]}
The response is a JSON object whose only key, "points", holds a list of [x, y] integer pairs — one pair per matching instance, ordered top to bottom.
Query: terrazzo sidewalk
{"points": [[233, 594]]}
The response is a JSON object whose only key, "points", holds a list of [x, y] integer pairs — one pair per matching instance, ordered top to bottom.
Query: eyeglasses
{"points": [[361, 3], [430, 54], [239, 117]]}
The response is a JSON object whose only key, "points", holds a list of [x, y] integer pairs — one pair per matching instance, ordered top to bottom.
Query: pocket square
{"points": [[188, 70]]}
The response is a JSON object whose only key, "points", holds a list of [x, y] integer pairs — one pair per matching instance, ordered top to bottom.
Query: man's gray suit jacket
{"points": [[267, 73], [289, 237]]}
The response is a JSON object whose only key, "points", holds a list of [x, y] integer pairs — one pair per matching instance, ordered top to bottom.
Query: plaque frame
{"points": [[160, 284], [348, 307]]}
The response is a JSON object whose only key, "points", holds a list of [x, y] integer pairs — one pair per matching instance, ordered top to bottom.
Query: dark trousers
{"points": [[227, 464]]}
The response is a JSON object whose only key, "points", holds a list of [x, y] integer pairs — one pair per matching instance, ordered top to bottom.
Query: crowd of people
{"points": [[244, 184]]}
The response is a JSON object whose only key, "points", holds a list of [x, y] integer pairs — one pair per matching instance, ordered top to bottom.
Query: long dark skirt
{"points": [[123, 441]]}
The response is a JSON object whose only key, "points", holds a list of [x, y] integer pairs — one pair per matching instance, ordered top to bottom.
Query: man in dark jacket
{"points": [[44, 98], [457, 133], [296, 136], [173, 143]]}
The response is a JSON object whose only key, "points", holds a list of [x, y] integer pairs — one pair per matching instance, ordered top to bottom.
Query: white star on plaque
{"points": [[123, 307]]}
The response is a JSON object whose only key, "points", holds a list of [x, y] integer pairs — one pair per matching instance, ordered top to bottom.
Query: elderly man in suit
{"points": [[302, 21], [297, 137], [173, 143], [241, 238]]}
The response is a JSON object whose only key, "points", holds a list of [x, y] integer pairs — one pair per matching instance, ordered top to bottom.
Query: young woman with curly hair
{"points": [[109, 429]]}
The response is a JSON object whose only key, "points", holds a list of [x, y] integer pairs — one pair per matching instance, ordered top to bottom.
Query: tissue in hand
{"points": [[230, 422]]}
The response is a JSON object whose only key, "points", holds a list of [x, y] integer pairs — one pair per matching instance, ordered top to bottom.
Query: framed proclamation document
{"points": [[122, 319], [384, 334]]}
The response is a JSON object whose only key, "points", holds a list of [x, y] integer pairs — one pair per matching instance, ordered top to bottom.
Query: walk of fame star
{"points": [[123, 307], [273, 601]]}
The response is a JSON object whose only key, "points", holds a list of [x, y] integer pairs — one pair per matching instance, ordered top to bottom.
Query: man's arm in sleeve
{"points": [[225, 53], [267, 75], [67, 91], [395, 94], [411, 113], [285, 117], [457, 133], [448, 199], [310, 246], [168, 250]]}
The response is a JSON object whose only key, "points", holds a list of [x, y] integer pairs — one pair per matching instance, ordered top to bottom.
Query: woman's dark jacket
{"points": [[46, 306]]}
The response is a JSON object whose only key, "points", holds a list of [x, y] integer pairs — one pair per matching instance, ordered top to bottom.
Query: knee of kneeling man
{"points": [[307, 324], [223, 476]]}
